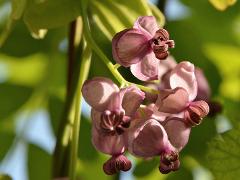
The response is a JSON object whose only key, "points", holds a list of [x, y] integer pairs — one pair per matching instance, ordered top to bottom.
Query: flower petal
{"points": [[147, 24], [129, 47], [166, 65], [147, 69], [183, 76], [204, 91], [97, 92], [132, 100], [172, 100], [178, 132], [149, 140], [108, 144]]}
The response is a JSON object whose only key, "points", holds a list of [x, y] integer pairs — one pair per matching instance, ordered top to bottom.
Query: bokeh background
{"points": [[33, 80]]}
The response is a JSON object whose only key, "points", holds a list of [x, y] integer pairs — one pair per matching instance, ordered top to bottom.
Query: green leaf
{"points": [[222, 4], [18, 7], [50, 14], [219, 54], [27, 71], [12, 98], [199, 137], [6, 139], [224, 155], [39, 163], [145, 167], [5, 177]]}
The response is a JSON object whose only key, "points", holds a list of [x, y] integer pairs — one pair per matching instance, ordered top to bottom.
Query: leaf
{"points": [[222, 4], [18, 7], [50, 14], [221, 55], [28, 71], [12, 98], [199, 137], [6, 139], [224, 155], [39, 163], [145, 167], [5, 177]]}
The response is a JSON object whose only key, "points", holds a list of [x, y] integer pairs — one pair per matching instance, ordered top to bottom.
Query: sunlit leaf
{"points": [[222, 4], [50, 14], [226, 58], [27, 71], [12, 98], [223, 155], [39, 163]]}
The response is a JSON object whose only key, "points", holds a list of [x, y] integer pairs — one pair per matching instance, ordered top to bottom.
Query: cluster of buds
{"points": [[144, 124]]}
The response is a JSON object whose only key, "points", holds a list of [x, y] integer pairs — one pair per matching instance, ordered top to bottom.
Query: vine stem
{"points": [[112, 68], [84, 70]]}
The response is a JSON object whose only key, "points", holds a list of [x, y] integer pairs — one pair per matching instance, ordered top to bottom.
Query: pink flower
{"points": [[141, 47], [180, 98], [112, 109], [147, 138]]}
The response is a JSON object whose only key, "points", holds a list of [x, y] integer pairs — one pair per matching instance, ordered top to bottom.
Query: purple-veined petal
{"points": [[147, 24], [129, 47], [147, 69], [183, 76], [97, 92], [132, 100], [172, 100], [178, 132], [149, 140], [108, 144]]}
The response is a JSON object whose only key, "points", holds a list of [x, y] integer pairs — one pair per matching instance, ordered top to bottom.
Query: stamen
{"points": [[161, 43], [113, 122]]}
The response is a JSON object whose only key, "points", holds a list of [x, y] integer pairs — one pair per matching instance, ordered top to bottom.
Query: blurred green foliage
{"points": [[34, 76]]}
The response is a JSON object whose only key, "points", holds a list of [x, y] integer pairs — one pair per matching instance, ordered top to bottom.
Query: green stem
{"points": [[102, 56], [84, 70], [61, 157]]}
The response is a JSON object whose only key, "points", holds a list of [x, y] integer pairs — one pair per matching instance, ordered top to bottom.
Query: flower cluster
{"points": [[142, 123]]}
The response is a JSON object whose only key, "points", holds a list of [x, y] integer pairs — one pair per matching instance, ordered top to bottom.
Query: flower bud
{"points": [[116, 164]]}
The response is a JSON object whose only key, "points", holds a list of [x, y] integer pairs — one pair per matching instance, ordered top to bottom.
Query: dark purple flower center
{"points": [[161, 43], [113, 122], [169, 162], [116, 164]]}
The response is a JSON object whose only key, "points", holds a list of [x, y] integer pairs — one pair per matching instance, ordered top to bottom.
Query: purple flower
{"points": [[141, 48], [180, 98], [112, 109], [147, 138]]}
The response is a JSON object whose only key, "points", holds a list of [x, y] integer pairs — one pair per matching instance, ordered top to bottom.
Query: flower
{"points": [[141, 48], [180, 98], [112, 110], [147, 138]]}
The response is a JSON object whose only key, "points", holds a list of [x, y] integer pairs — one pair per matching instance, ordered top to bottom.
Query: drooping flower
{"points": [[141, 48], [181, 96], [112, 109], [147, 138]]}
